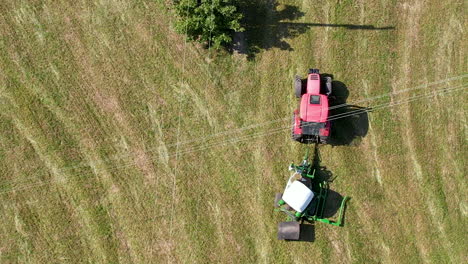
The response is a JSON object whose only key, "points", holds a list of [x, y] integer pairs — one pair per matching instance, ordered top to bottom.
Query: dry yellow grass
{"points": [[119, 142]]}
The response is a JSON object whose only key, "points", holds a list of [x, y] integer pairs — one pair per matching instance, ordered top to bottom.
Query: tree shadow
{"points": [[269, 25], [346, 26], [349, 123]]}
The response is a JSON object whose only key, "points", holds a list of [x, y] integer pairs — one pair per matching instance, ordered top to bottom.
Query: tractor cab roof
{"points": [[314, 108], [298, 196]]}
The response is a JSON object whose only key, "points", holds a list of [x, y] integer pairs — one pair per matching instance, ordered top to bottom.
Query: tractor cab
{"points": [[314, 108], [310, 120]]}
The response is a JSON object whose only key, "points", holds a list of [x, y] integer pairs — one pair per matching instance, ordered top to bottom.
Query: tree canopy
{"points": [[208, 21]]}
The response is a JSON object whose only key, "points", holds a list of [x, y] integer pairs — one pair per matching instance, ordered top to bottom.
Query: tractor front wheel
{"points": [[298, 89], [295, 137]]}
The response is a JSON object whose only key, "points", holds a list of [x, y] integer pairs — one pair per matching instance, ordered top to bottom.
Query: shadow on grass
{"points": [[269, 25], [346, 26], [349, 123], [321, 172], [334, 199], [332, 205], [307, 233]]}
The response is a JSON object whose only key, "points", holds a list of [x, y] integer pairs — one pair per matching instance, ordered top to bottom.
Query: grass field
{"points": [[120, 142]]}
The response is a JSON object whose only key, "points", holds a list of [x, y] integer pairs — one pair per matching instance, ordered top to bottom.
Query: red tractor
{"points": [[310, 121]]}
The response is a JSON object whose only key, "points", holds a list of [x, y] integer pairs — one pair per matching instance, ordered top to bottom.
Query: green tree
{"points": [[208, 21]]}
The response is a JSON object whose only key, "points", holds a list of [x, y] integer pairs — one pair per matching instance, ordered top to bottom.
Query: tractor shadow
{"points": [[269, 24], [349, 123], [322, 173], [334, 199], [332, 206], [307, 233]]}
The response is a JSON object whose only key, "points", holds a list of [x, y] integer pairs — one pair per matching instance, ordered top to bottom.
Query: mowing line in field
{"points": [[249, 137], [377, 175], [174, 186]]}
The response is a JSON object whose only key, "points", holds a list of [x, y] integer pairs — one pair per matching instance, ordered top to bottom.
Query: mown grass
{"points": [[95, 96]]}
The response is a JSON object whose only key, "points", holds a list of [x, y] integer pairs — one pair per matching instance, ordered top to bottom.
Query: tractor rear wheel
{"points": [[298, 90], [295, 137], [323, 140], [278, 197], [289, 230]]}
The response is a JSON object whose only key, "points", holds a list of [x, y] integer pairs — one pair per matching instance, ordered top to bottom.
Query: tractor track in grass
{"points": [[410, 35], [412, 38], [449, 55], [373, 147], [450, 160]]}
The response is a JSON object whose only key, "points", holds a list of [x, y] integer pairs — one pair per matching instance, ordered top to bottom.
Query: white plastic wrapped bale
{"points": [[298, 196]]}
